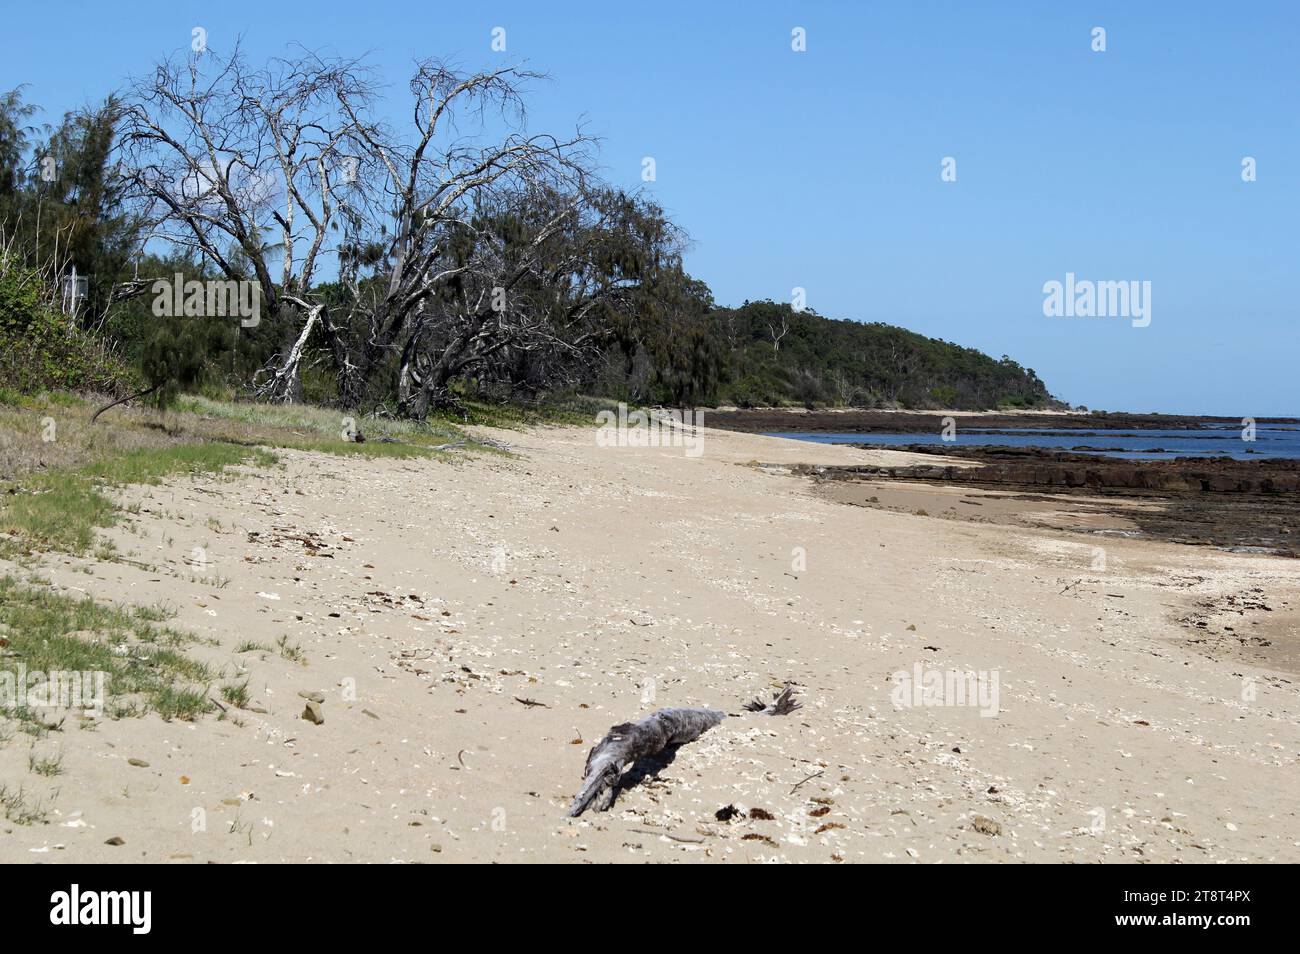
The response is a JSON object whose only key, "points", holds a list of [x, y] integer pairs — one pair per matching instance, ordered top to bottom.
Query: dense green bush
{"points": [[20, 298], [41, 350], [777, 356]]}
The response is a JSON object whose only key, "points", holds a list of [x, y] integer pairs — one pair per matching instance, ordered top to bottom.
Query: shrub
{"points": [[41, 350]]}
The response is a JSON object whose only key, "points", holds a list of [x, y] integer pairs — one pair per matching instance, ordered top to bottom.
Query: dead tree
{"points": [[242, 166], [464, 243], [440, 268], [545, 274], [779, 328]]}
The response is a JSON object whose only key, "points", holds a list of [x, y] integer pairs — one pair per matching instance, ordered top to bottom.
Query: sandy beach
{"points": [[474, 626]]}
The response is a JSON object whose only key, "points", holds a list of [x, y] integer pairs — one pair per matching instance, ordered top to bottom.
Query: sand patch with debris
{"points": [[468, 630]]}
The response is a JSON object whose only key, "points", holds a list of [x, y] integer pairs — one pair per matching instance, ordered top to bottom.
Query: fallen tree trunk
{"points": [[284, 384], [630, 741]]}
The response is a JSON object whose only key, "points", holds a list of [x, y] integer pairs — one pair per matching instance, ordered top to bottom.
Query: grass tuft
{"points": [[62, 510], [292, 653], [143, 671], [236, 693], [49, 767], [19, 808]]}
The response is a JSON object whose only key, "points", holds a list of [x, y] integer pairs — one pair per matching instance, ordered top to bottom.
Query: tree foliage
{"points": [[401, 264], [835, 362]]}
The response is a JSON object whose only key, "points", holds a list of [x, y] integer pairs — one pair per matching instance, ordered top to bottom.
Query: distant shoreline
{"points": [[847, 420]]}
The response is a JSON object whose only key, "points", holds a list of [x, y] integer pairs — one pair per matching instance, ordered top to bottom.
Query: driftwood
{"points": [[630, 741]]}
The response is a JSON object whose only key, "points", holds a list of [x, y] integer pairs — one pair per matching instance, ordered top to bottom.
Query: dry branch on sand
{"points": [[629, 741]]}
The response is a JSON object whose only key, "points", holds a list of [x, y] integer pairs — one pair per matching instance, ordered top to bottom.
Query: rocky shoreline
{"points": [[849, 420], [1038, 467], [1219, 501]]}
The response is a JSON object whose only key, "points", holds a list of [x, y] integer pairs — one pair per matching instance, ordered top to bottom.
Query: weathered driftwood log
{"points": [[783, 703], [630, 741]]}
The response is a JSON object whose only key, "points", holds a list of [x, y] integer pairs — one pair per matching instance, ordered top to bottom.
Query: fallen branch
{"points": [[139, 394], [629, 741], [808, 779]]}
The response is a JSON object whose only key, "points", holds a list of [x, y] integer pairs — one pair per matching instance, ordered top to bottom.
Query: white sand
{"points": [[628, 579]]}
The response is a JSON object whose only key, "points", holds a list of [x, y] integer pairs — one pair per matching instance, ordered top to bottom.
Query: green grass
{"points": [[45, 399], [570, 411], [292, 425], [442, 427], [307, 428], [316, 428], [149, 466], [56, 500], [62, 510], [59, 511], [158, 613], [292, 653], [144, 670], [236, 693], [179, 702], [49, 767], [20, 809]]}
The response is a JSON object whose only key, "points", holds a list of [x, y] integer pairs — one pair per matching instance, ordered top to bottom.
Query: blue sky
{"points": [[821, 169]]}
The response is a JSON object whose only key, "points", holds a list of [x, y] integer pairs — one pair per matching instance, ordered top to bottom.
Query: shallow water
{"points": [[1270, 442]]}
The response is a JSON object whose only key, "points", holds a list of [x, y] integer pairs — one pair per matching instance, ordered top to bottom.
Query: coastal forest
{"points": [[403, 266]]}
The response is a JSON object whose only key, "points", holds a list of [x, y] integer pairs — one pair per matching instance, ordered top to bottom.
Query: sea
{"points": [[1275, 442]]}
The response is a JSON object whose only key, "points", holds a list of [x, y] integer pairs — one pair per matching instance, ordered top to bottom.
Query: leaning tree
{"points": [[222, 158], [462, 242], [544, 279]]}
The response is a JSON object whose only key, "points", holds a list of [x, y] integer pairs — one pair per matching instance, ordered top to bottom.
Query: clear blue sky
{"points": [[821, 169]]}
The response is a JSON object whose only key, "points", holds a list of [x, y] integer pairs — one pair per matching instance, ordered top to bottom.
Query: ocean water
{"points": [[1270, 442]]}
